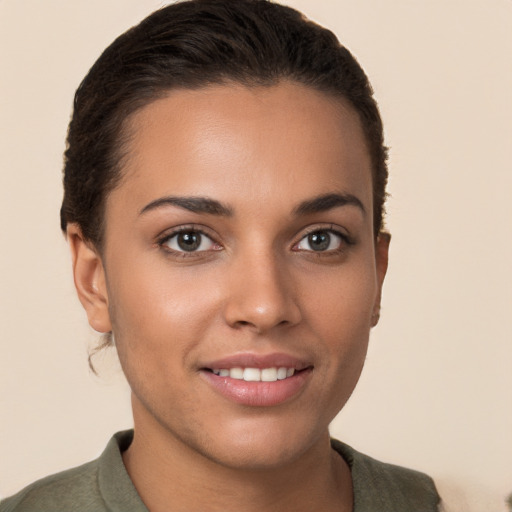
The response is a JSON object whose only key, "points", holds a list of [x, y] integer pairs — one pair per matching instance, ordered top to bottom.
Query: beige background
{"points": [[436, 393]]}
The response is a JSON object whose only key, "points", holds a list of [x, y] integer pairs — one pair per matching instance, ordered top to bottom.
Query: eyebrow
{"points": [[328, 202], [192, 204], [210, 206]]}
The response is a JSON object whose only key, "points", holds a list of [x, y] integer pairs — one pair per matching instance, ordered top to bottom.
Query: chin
{"points": [[261, 445], [251, 456]]}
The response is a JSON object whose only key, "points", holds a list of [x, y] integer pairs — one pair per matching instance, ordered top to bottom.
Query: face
{"points": [[240, 269]]}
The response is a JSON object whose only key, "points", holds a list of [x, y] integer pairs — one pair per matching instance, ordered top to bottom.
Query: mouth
{"points": [[271, 374], [258, 380]]}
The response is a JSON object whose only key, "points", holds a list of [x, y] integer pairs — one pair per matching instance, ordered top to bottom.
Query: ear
{"points": [[381, 261], [89, 277]]}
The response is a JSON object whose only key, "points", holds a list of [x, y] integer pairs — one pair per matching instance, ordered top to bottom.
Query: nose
{"points": [[261, 295]]}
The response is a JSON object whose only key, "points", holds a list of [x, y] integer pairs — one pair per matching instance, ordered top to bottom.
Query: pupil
{"points": [[189, 241], [319, 241]]}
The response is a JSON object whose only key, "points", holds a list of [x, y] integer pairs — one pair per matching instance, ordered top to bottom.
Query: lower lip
{"points": [[258, 394]]}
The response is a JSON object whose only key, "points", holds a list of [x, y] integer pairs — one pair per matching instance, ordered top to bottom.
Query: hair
{"points": [[193, 44]]}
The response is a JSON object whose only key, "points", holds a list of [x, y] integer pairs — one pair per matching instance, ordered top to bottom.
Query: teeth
{"points": [[236, 373], [281, 373], [255, 374], [269, 374], [252, 375]]}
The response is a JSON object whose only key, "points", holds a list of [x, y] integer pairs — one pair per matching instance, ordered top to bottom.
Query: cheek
{"points": [[342, 302], [339, 311], [157, 312], [159, 321]]}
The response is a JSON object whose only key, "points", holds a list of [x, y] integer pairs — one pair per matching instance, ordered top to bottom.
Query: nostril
{"points": [[255, 325]]}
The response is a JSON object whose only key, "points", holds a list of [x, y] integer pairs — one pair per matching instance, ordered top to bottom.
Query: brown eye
{"points": [[189, 241]]}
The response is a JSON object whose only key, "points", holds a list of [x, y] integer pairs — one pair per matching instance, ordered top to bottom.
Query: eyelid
{"points": [[332, 228], [168, 234], [346, 238]]}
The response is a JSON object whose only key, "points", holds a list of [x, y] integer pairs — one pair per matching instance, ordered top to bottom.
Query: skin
{"points": [[256, 286]]}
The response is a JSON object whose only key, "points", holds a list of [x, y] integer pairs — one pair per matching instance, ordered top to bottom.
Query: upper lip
{"points": [[253, 360]]}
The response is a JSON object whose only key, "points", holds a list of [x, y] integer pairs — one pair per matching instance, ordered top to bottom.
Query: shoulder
{"points": [[100, 486], [77, 487], [386, 487]]}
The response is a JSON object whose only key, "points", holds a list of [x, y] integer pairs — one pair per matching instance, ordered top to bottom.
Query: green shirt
{"points": [[103, 485]]}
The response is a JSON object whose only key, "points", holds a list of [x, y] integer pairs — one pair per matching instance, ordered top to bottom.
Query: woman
{"points": [[224, 194]]}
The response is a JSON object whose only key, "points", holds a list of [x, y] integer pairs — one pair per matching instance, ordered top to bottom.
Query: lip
{"points": [[252, 360], [258, 394]]}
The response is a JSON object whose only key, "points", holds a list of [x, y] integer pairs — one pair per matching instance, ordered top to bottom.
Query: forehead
{"points": [[222, 141]]}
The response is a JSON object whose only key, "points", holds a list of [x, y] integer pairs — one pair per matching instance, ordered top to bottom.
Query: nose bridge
{"points": [[260, 293]]}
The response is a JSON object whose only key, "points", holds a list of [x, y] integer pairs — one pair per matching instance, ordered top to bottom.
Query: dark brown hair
{"points": [[193, 44]]}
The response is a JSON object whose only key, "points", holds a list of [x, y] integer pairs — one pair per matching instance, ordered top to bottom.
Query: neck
{"points": [[166, 471]]}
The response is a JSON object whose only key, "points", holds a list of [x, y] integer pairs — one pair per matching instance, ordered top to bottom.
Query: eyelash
{"points": [[346, 240], [161, 242]]}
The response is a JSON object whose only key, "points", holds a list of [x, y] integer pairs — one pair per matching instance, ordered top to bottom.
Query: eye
{"points": [[189, 241], [321, 241]]}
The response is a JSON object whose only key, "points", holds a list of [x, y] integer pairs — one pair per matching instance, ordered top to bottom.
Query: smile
{"points": [[256, 374], [257, 380]]}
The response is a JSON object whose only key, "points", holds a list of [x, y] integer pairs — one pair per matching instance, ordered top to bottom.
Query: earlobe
{"points": [[381, 261], [89, 278]]}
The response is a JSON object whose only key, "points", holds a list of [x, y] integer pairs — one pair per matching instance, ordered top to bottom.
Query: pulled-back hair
{"points": [[193, 44]]}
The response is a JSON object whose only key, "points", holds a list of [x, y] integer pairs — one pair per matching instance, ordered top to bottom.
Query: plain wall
{"points": [[436, 393]]}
